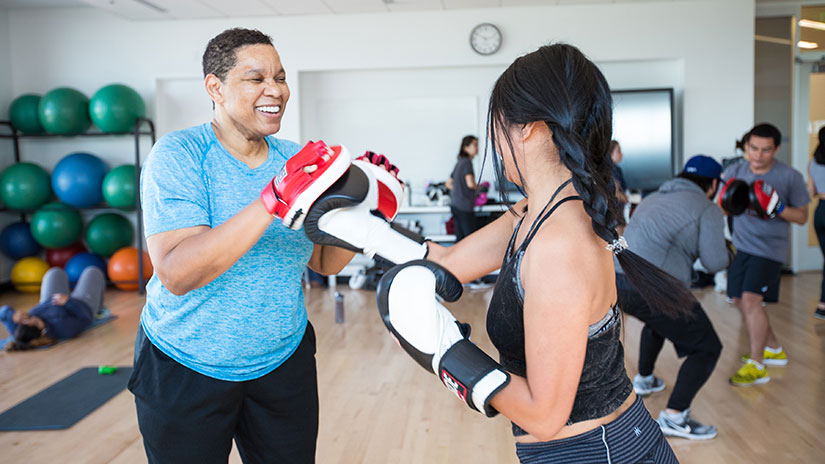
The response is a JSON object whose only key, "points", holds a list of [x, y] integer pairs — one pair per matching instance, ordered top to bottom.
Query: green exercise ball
{"points": [[115, 107], [64, 111], [24, 116], [24, 186], [119, 189], [56, 225], [109, 232]]}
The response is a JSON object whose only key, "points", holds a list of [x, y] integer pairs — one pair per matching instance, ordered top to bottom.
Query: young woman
{"points": [[462, 185], [61, 314], [553, 314]]}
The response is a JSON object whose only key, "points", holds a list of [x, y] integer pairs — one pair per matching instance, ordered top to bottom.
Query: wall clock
{"points": [[485, 39]]}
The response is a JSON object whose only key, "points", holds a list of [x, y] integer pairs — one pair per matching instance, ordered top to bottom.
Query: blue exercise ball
{"points": [[77, 180], [17, 242], [81, 261]]}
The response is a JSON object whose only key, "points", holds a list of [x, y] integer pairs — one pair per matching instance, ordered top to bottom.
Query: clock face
{"points": [[485, 39]]}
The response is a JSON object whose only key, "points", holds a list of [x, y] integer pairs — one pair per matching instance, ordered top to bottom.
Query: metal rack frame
{"points": [[138, 132]]}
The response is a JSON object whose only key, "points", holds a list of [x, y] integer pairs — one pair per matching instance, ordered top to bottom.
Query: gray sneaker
{"points": [[644, 386], [681, 425]]}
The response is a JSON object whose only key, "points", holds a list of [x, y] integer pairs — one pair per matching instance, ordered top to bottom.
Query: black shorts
{"points": [[755, 274], [188, 417]]}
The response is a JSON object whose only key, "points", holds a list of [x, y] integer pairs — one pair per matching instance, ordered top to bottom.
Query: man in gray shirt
{"points": [[778, 197], [671, 228]]}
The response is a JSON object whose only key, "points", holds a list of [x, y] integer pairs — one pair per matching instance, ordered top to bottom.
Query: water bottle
{"points": [[408, 193], [339, 308]]}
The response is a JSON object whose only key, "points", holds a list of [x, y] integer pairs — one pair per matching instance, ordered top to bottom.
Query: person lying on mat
{"points": [[61, 313]]}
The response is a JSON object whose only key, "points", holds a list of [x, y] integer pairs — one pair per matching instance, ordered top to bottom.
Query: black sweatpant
{"points": [[465, 223], [819, 227], [693, 337], [187, 417]]}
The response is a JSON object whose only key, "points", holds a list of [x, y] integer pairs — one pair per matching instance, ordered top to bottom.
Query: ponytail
{"points": [[557, 84], [597, 189]]}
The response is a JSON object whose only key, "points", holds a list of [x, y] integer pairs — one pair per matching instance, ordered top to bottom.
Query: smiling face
{"points": [[254, 93]]}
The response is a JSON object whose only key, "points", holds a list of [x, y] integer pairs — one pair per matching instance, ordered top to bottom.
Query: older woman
{"points": [[224, 350]]}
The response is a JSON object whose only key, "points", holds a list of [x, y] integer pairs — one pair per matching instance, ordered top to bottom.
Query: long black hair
{"points": [[559, 86], [465, 142], [819, 153], [27, 337]]}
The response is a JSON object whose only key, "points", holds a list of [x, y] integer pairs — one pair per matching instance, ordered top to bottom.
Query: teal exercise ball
{"points": [[115, 107], [64, 111], [24, 116], [24, 186], [120, 187], [56, 225], [109, 232]]}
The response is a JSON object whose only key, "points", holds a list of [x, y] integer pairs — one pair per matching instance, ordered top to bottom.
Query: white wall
{"points": [[712, 40], [704, 49], [5, 74], [419, 115], [415, 116], [6, 150]]}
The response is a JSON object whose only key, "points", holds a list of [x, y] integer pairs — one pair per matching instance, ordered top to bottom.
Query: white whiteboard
{"points": [[420, 135]]}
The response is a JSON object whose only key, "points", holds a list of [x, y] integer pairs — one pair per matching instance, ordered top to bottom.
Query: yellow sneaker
{"points": [[771, 359], [750, 374]]}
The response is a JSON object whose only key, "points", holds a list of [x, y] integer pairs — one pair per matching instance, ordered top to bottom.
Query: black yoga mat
{"points": [[63, 404]]}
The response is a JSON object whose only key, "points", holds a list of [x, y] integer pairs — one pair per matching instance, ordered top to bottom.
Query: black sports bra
{"points": [[604, 384]]}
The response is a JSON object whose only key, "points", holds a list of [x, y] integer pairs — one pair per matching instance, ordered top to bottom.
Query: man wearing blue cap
{"points": [[671, 228]]}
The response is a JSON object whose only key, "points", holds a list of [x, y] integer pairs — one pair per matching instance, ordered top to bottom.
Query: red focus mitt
{"points": [[304, 177], [390, 188], [764, 200]]}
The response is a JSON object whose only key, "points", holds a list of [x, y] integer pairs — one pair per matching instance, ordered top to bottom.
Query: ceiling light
{"points": [[809, 23], [807, 45]]}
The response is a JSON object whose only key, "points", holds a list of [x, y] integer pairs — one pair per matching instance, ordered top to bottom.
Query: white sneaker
{"points": [[644, 386], [681, 425]]}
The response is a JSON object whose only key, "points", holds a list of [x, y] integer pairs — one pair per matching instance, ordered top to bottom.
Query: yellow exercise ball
{"points": [[27, 274]]}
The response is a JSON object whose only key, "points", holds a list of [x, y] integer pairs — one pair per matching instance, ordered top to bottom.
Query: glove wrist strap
{"points": [[272, 203], [472, 375]]}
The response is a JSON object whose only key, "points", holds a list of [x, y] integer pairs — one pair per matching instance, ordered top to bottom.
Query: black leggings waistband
{"points": [[633, 438]]}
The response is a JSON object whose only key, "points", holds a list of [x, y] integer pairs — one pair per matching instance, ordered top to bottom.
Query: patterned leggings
{"points": [[633, 438]]}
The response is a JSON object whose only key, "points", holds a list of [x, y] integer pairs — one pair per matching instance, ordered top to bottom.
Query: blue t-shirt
{"points": [[250, 319]]}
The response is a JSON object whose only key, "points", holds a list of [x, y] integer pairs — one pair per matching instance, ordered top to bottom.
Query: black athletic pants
{"points": [[465, 223], [819, 226], [693, 337], [186, 417]]}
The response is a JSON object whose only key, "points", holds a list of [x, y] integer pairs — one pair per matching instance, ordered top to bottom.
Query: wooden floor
{"points": [[378, 406]]}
